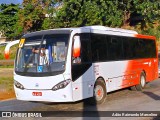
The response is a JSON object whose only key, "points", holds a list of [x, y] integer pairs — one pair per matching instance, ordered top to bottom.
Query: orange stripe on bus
{"points": [[145, 36]]}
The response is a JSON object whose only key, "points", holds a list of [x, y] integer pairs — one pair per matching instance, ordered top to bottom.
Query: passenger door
{"points": [[82, 70]]}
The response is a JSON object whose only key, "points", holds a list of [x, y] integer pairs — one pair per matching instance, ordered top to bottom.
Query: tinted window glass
{"points": [[129, 46], [85, 47], [99, 47], [109, 48], [115, 48], [138, 48], [150, 48]]}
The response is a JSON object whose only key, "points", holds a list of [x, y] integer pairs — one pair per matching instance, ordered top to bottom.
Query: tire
{"points": [[142, 82], [133, 88], [99, 93]]}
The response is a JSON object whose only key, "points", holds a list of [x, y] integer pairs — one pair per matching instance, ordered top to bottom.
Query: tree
{"points": [[52, 8], [142, 12], [75, 13], [45, 14], [32, 16], [8, 19]]}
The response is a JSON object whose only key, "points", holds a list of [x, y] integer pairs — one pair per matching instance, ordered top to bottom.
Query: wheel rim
{"points": [[143, 81], [99, 92]]}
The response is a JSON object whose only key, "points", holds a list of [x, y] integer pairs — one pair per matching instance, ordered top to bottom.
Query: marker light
{"points": [[18, 85], [61, 85]]}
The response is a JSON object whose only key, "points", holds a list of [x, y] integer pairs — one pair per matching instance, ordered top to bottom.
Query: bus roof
{"points": [[96, 27], [92, 28]]}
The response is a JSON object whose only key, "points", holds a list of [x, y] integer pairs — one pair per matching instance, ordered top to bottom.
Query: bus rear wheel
{"points": [[142, 82], [99, 93]]}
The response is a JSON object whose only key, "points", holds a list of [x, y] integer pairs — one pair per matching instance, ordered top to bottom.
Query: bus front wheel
{"points": [[142, 82], [99, 93]]}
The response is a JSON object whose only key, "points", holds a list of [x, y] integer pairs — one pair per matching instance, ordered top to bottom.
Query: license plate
{"points": [[37, 93]]}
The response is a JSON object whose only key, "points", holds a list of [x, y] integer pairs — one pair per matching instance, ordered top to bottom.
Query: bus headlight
{"points": [[18, 85], [61, 85]]}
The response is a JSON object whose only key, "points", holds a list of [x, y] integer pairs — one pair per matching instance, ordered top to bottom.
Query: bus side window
{"points": [[99, 47], [85, 48], [128, 48], [115, 51]]}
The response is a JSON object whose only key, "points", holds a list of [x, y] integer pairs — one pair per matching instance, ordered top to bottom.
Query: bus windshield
{"points": [[42, 54]]}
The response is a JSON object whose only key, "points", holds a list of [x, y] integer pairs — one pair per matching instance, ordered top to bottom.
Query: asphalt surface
{"points": [[117, 102]]}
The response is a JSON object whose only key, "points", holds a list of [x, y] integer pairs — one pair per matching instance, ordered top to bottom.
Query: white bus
{"points": [[71, 64]]}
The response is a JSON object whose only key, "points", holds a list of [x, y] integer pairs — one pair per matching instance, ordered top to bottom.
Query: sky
{"points": [[11, 1]]}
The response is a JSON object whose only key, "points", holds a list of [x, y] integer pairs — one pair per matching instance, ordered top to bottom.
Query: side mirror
{"points": [[8, 46], [76, 47]]}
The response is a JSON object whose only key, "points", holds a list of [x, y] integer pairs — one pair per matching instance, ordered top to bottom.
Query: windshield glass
{"points": [[41, 54]]}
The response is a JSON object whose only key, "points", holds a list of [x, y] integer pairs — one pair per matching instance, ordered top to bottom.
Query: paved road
{"points": [[122, 100]]}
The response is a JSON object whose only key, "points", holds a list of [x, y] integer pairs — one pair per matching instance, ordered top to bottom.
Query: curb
{"points": [[8, 99]]}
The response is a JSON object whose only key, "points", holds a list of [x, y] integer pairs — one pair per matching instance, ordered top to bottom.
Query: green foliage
{"points": [[149, 9], [76, 13], [117, 13], [36, 15], [31, 16], [8, 19], [155, 31], [2, 52], [7, 66], [6, 83]]}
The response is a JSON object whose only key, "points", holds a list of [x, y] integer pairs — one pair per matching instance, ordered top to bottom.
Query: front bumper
{"points": [[45, 96]]}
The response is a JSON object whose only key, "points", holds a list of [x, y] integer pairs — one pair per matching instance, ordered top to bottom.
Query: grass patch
{"points": [[2, 52], [6, 66], [6, 83]]}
